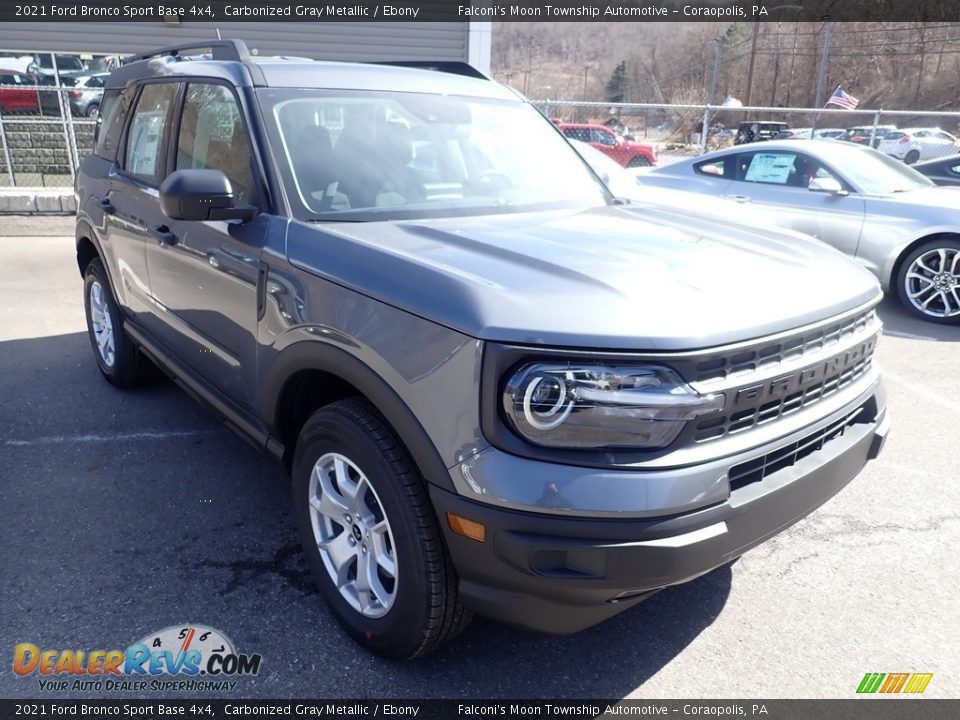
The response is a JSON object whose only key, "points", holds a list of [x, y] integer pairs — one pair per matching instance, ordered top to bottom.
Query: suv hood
{"points": [[602, 278]]}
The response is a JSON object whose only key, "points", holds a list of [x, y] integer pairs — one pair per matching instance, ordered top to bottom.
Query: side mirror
{"points": [[828, 185], [201, 195]]}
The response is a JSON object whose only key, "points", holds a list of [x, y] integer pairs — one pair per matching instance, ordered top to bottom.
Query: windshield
{"points": [[366, 156], [874, 173]]}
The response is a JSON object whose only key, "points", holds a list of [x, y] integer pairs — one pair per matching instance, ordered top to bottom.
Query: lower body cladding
{"points": [[559, 573]]}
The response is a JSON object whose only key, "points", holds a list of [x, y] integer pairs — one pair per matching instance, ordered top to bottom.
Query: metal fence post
{"points": [[705, 130], [873, 131], [69, 146], [6, 153]]}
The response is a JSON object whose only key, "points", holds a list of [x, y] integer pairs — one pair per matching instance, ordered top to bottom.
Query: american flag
{"points": [[842, 99]]}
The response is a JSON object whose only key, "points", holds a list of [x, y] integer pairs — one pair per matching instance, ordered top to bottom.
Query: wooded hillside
{"points": [[908, 66]]}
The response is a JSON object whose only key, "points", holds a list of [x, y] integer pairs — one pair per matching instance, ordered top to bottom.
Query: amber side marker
{"points": [[468, 528]]}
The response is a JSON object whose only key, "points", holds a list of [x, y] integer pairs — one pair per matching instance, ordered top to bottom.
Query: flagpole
{"points": [[822, 71]]}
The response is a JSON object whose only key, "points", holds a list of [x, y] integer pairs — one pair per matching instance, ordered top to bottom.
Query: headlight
{"points": [[601, 406]]}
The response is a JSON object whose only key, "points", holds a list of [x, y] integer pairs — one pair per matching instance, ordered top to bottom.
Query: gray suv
{"points": [[497, 388]]}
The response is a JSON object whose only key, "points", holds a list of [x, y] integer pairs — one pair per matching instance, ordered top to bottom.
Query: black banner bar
{"points": [[224, 11], [866, 708]]}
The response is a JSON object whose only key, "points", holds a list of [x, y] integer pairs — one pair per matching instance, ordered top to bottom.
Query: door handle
{"points": [[738, 198], [107, 206], [163, 235]]}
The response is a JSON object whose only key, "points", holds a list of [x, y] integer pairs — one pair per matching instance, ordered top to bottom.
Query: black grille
{"points": [[787, 350], [762, 413], [757, 469]]}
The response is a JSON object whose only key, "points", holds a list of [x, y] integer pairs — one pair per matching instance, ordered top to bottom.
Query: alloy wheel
{"points": [[932, 283], [102, 324], [353, 535]]}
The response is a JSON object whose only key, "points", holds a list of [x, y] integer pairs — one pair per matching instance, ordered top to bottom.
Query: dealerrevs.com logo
{"points": [[183, 657]]}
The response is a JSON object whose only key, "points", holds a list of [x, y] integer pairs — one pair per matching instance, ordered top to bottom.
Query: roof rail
{"points": [[222, 50], [448, 66]]}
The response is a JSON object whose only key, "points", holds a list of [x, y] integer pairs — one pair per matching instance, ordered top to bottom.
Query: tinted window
{"points": [[106, 130], [582, 134], [212, 136], [602, 136], [145, 137]]}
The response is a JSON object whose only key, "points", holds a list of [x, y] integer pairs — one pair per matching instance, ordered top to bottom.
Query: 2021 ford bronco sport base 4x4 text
{"points": [[497, 389]]}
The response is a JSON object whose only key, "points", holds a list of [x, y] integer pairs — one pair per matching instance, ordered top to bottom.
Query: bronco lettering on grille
{"points": [[794, 381]]}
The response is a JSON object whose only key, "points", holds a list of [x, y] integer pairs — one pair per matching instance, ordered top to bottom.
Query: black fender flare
{"points": [[321, 356]]}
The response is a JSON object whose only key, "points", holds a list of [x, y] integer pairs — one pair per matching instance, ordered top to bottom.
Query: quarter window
{"points": [[145, 137], [212, 137]]}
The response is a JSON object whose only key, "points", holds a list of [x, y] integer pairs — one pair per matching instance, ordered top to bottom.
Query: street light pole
{"points": [[586, 68], [704, 131]]}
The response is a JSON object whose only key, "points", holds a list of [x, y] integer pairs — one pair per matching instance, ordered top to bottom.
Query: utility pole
{"points": [[753, 57], [824, 58], [586, 69], [822, 72], [705, 130]]}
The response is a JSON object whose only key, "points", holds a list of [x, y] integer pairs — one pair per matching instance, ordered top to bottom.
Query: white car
{"points": [[915, 144]]}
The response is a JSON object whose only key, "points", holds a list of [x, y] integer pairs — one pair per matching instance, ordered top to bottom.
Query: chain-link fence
{"points": [[48, 109], [677, 130]]}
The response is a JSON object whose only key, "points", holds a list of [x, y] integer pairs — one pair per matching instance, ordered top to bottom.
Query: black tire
{"points": [[93, 111], [911, 157], [638, 161], [907, 285], [128, 367], [425, 611]]}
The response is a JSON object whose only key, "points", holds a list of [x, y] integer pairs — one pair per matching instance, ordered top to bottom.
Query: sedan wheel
{"points": [[912, 157], [929, 281]]}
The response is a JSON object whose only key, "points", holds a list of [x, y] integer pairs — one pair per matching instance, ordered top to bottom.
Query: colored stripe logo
{"points": [[889, 683]]}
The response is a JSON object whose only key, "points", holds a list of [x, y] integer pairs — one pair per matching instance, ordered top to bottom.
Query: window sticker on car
{"points": [[770, 168]]}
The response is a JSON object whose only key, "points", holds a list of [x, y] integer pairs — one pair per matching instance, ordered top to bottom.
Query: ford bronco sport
{"points": [[497, 388]]}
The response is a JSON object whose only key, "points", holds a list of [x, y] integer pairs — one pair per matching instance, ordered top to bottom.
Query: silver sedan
{"points": [[886, 216]]}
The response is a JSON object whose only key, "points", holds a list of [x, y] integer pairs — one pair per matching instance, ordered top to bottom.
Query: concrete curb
{"points": [[45, 201]]}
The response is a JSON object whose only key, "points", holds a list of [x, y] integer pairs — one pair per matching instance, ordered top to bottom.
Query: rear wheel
{"points": [[93, 112], [911, 157], [638, 161], [928, 281], [117, 357], [370, 535]]}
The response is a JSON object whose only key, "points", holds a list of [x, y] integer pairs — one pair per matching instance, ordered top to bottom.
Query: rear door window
{"points": [[144, 150]]}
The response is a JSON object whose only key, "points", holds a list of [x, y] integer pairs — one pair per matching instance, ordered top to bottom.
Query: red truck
{"points": [[628, 153]]}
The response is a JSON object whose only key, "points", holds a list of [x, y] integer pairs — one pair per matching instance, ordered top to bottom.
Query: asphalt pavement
{"points": [[122, 513]]}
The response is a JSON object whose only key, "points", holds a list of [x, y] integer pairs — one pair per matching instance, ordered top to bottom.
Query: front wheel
{"points": [[911, 157], [638, 161], [928, 281], [370, 535]]}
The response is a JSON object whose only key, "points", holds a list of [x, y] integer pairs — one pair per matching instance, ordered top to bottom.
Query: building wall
{"points": [[348, 41]]}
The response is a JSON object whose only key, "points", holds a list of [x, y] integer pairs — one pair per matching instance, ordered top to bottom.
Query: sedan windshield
{"points": [[366, 156], [874, 173]]}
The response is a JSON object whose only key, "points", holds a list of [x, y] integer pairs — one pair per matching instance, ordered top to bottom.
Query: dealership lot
{"points": [[125, 513]]}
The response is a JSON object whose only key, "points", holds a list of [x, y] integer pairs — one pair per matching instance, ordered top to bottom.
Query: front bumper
{"points": [[560, 574]]}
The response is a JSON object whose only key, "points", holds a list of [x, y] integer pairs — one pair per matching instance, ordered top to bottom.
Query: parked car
{"points": [[42, 65], [47, 91], [17, 92], [86, 94], [756, 130], [828, 133], [792, 134], [862, 134], [915, 144], [628, 153], [945, 171], [892, 220], [497, 388]]}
